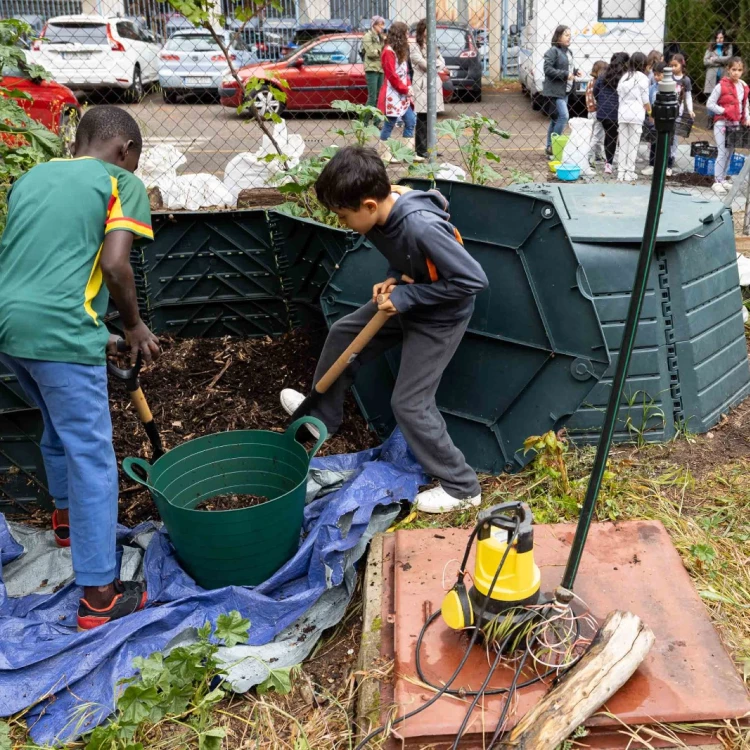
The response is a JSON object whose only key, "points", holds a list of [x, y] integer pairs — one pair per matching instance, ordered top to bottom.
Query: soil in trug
{"points": [[231, 502]]}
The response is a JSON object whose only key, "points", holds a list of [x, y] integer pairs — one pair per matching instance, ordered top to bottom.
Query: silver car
{"points": [[192, 62]]}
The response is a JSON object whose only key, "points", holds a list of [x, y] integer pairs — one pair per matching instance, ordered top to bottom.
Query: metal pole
{"points": [[504, 53], [431, 78], [665, 114]]}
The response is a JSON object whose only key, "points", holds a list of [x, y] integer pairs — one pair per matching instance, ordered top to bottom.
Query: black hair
{"points": [[559, 31], [714, 42], [679, 58], [637, 63], [617, 67], [659, 67], [105, 123], [353, 175]]}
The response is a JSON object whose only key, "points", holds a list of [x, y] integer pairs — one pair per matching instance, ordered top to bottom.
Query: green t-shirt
{"points": [[52, 296]]}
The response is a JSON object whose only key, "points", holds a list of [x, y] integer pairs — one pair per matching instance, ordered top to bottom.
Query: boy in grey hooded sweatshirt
{"points": [[429, 294]]}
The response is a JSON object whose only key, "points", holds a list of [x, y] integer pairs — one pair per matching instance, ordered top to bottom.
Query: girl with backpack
{"points": [[728, 104]]}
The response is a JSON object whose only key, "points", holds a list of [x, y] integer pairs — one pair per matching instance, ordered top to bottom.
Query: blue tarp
{"points": [[46, 664]]}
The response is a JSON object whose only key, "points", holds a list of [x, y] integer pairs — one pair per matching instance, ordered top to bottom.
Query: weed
{"points": [[360, 128], [469, 131], [648, 412]]}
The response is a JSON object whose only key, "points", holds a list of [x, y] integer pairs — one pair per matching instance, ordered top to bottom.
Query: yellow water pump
{"points": [[505, 574]]}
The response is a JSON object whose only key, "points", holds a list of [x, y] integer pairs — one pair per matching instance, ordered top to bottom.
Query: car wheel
{"points": [[524, 89], [136, 91], [475, 95], [169, 96], [536, 102], [265, 103]]}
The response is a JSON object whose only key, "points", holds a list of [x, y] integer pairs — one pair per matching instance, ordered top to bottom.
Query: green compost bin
{"points": [[534, 348], [241, 547]]}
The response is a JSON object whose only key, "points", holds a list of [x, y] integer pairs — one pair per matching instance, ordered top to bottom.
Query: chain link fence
{"points": [[511, 103]]}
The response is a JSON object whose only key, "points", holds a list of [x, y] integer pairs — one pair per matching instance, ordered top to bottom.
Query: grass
{"points": [[697, 486]]}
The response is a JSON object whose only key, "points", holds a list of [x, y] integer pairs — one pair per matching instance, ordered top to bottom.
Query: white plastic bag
{"points": [[291, 145], [578, 147], [158, 163], [247, 171], [450, 172], [195, 191], [743, 266]]}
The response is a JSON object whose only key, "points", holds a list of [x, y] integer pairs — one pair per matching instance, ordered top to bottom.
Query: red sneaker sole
{"points": [[89, 622]]}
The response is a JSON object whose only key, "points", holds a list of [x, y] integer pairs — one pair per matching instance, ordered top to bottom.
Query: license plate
{"points": [[75, 55], [197, 81]]}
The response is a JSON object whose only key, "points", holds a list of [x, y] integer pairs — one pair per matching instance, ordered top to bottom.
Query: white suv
{"points": [[94, 52]]}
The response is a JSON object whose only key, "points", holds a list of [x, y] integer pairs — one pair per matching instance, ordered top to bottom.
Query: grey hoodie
{"points": [[417, 233]]}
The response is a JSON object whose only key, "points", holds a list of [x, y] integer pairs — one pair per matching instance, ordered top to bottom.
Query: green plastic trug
{"points": [[241, 547]]}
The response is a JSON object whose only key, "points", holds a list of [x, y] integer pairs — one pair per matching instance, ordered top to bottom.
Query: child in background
{"points": [[653, 58], [684, 87], [653, 90], [605, 94], [728, 104], [634, 105], [597, 131]]}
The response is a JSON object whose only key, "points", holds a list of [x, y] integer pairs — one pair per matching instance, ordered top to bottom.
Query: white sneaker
{"points": [[647, 172], [670, 172], [719, 188], [290, 401], [437, 500]]}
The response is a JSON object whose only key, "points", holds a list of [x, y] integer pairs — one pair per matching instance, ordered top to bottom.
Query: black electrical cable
{"points": [[443, 690], [511, 690], [493, 691], [480, 692]]}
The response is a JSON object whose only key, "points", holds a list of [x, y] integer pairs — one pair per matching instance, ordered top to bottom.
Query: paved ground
{"points": [[211, 135]]}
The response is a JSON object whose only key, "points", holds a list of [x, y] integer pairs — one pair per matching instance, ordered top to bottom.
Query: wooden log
{"points": [[260, 198], [618, 648]]}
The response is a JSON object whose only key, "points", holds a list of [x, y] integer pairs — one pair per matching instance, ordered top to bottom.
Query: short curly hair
{"points": [[105, 123]]}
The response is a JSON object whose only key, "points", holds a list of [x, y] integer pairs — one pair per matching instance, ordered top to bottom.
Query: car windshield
{"points": [[76, 33], [451, 41], [192, 43]]}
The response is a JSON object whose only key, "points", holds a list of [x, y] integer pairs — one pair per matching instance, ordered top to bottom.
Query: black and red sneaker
{"points": [[61, 531], [130, 596]]}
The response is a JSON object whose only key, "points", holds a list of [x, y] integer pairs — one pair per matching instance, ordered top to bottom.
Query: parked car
{"points": [[306, 32], [267, 40], [90, 52], [462, 60], [193, 62], [324, 70], [51, 103]]}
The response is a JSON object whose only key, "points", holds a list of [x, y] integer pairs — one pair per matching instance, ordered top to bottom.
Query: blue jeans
{"points": [[559, 120], [410, 122], [78, 457]]}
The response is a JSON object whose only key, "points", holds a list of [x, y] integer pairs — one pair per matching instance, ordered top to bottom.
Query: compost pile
{"points": [[202, 386], [231, 502]]}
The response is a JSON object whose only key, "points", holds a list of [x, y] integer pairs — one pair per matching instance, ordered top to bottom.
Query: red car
{"points": [[326, 69], [51, 103]]}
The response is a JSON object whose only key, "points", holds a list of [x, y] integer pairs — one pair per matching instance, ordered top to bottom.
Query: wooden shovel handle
{"points": [[352, 351]]}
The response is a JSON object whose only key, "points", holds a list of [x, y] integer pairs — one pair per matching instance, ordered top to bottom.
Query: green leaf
{"points": [[490, 156], [292, 188], [232, 628], [204, 632], [151, 669], [279, 680], [212, 698], [136, 702], [102, 738], [211, 739], [5, 743]]}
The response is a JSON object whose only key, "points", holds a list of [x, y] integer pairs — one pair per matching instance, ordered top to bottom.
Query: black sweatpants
{"points": [[420, 135], [610, 139], [427, 348]]}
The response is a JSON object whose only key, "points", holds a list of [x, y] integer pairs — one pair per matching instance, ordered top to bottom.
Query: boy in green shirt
{"points": [[65, 250]]}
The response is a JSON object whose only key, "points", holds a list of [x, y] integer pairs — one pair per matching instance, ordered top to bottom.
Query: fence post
{"points": [[431, 78]]}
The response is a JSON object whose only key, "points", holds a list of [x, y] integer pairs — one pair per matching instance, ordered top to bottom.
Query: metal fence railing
{"points": [[177, 83]]}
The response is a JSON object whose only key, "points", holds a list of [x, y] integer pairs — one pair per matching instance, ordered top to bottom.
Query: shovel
{"points": [[347, 357], [130, 378]]}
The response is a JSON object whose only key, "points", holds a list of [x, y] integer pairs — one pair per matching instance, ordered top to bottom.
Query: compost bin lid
{"points": [[617, 213], [534, 348]]}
